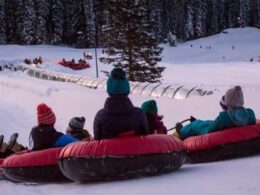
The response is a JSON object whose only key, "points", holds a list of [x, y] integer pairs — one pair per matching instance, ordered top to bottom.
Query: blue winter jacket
{"points": [[226, 119], [64, 140]]}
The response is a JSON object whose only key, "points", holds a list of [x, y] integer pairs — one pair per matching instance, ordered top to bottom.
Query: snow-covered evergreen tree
{"points": [[244, 12], [154, 13], [233, 13], [258, 14], [172, 15], [26, 16], [254, 16], [200, 18], [99, 20], [212, 20], [11, 21], [55, 21], [189, 21], [78, 22], [2, 23], [84, 24], [90, 26], [40, 30], [68, 35], [172, 39], [130, 41]]}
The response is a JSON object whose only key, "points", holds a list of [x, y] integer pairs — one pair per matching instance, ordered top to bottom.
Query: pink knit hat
{"points": [[45, 115]]}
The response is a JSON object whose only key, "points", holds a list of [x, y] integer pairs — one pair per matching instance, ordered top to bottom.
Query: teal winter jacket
{"points": [[226, 119]]}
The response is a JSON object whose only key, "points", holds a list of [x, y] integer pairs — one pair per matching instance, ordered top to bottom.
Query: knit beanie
{"points": [[117, 83], [234, 97], [150, 106], [45, 115], [77, 123]]}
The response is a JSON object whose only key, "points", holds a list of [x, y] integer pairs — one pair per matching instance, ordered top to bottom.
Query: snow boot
{"points": [[178, 128], [13, 145]]}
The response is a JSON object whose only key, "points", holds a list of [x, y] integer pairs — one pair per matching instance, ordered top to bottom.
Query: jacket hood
{"points": [[118, 105], [239, 117]]}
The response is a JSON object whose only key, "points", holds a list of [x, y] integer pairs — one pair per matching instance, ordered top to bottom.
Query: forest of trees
{"points": [[79, 22]]}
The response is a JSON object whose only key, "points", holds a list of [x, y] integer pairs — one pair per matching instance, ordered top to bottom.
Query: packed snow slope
{"points": [[212, 62]]}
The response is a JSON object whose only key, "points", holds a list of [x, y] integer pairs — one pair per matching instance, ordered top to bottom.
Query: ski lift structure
{"points": [[156, 90]]}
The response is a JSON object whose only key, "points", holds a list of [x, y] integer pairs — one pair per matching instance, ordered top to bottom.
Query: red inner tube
{"points": [[228, 136], [124, 146], [32, 158], [122, 158], [1, 161]]}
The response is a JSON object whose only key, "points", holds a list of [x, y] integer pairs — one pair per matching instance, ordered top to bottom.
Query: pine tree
{"points": [[222, 8], [154, 13], [233, 13], [244, 13], [254, 13], [172, 14], [258, 14], [200, 18], [99, 20], [11, 21], [25, 21], [55, 21], [188, 21], [212, 21], [2, 22], [78, 24], [84, 24], [90, 26], [40, 30], [68, 35], [130, 42]]}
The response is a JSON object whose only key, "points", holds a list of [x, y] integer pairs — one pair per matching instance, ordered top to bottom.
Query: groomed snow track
{"points": [[146, 89]]}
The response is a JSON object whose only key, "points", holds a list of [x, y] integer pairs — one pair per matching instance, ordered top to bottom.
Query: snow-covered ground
{"points": [[192, 63]]}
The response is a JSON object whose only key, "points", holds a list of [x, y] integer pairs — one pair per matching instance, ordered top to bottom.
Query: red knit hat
{"points": [[45, 115]]}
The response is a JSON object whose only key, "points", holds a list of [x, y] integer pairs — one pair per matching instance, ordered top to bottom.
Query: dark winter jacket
{"points": [[119, 116], [226, 119], [155, 124], [46, 136]]}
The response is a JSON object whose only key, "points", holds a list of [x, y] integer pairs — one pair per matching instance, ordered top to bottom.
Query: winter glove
{"points": [[192, 119], [178, 128]]}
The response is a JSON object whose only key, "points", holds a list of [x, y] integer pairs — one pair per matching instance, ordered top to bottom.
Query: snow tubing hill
{"points": [[225, 144], [121, 158], [31, 166]]}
